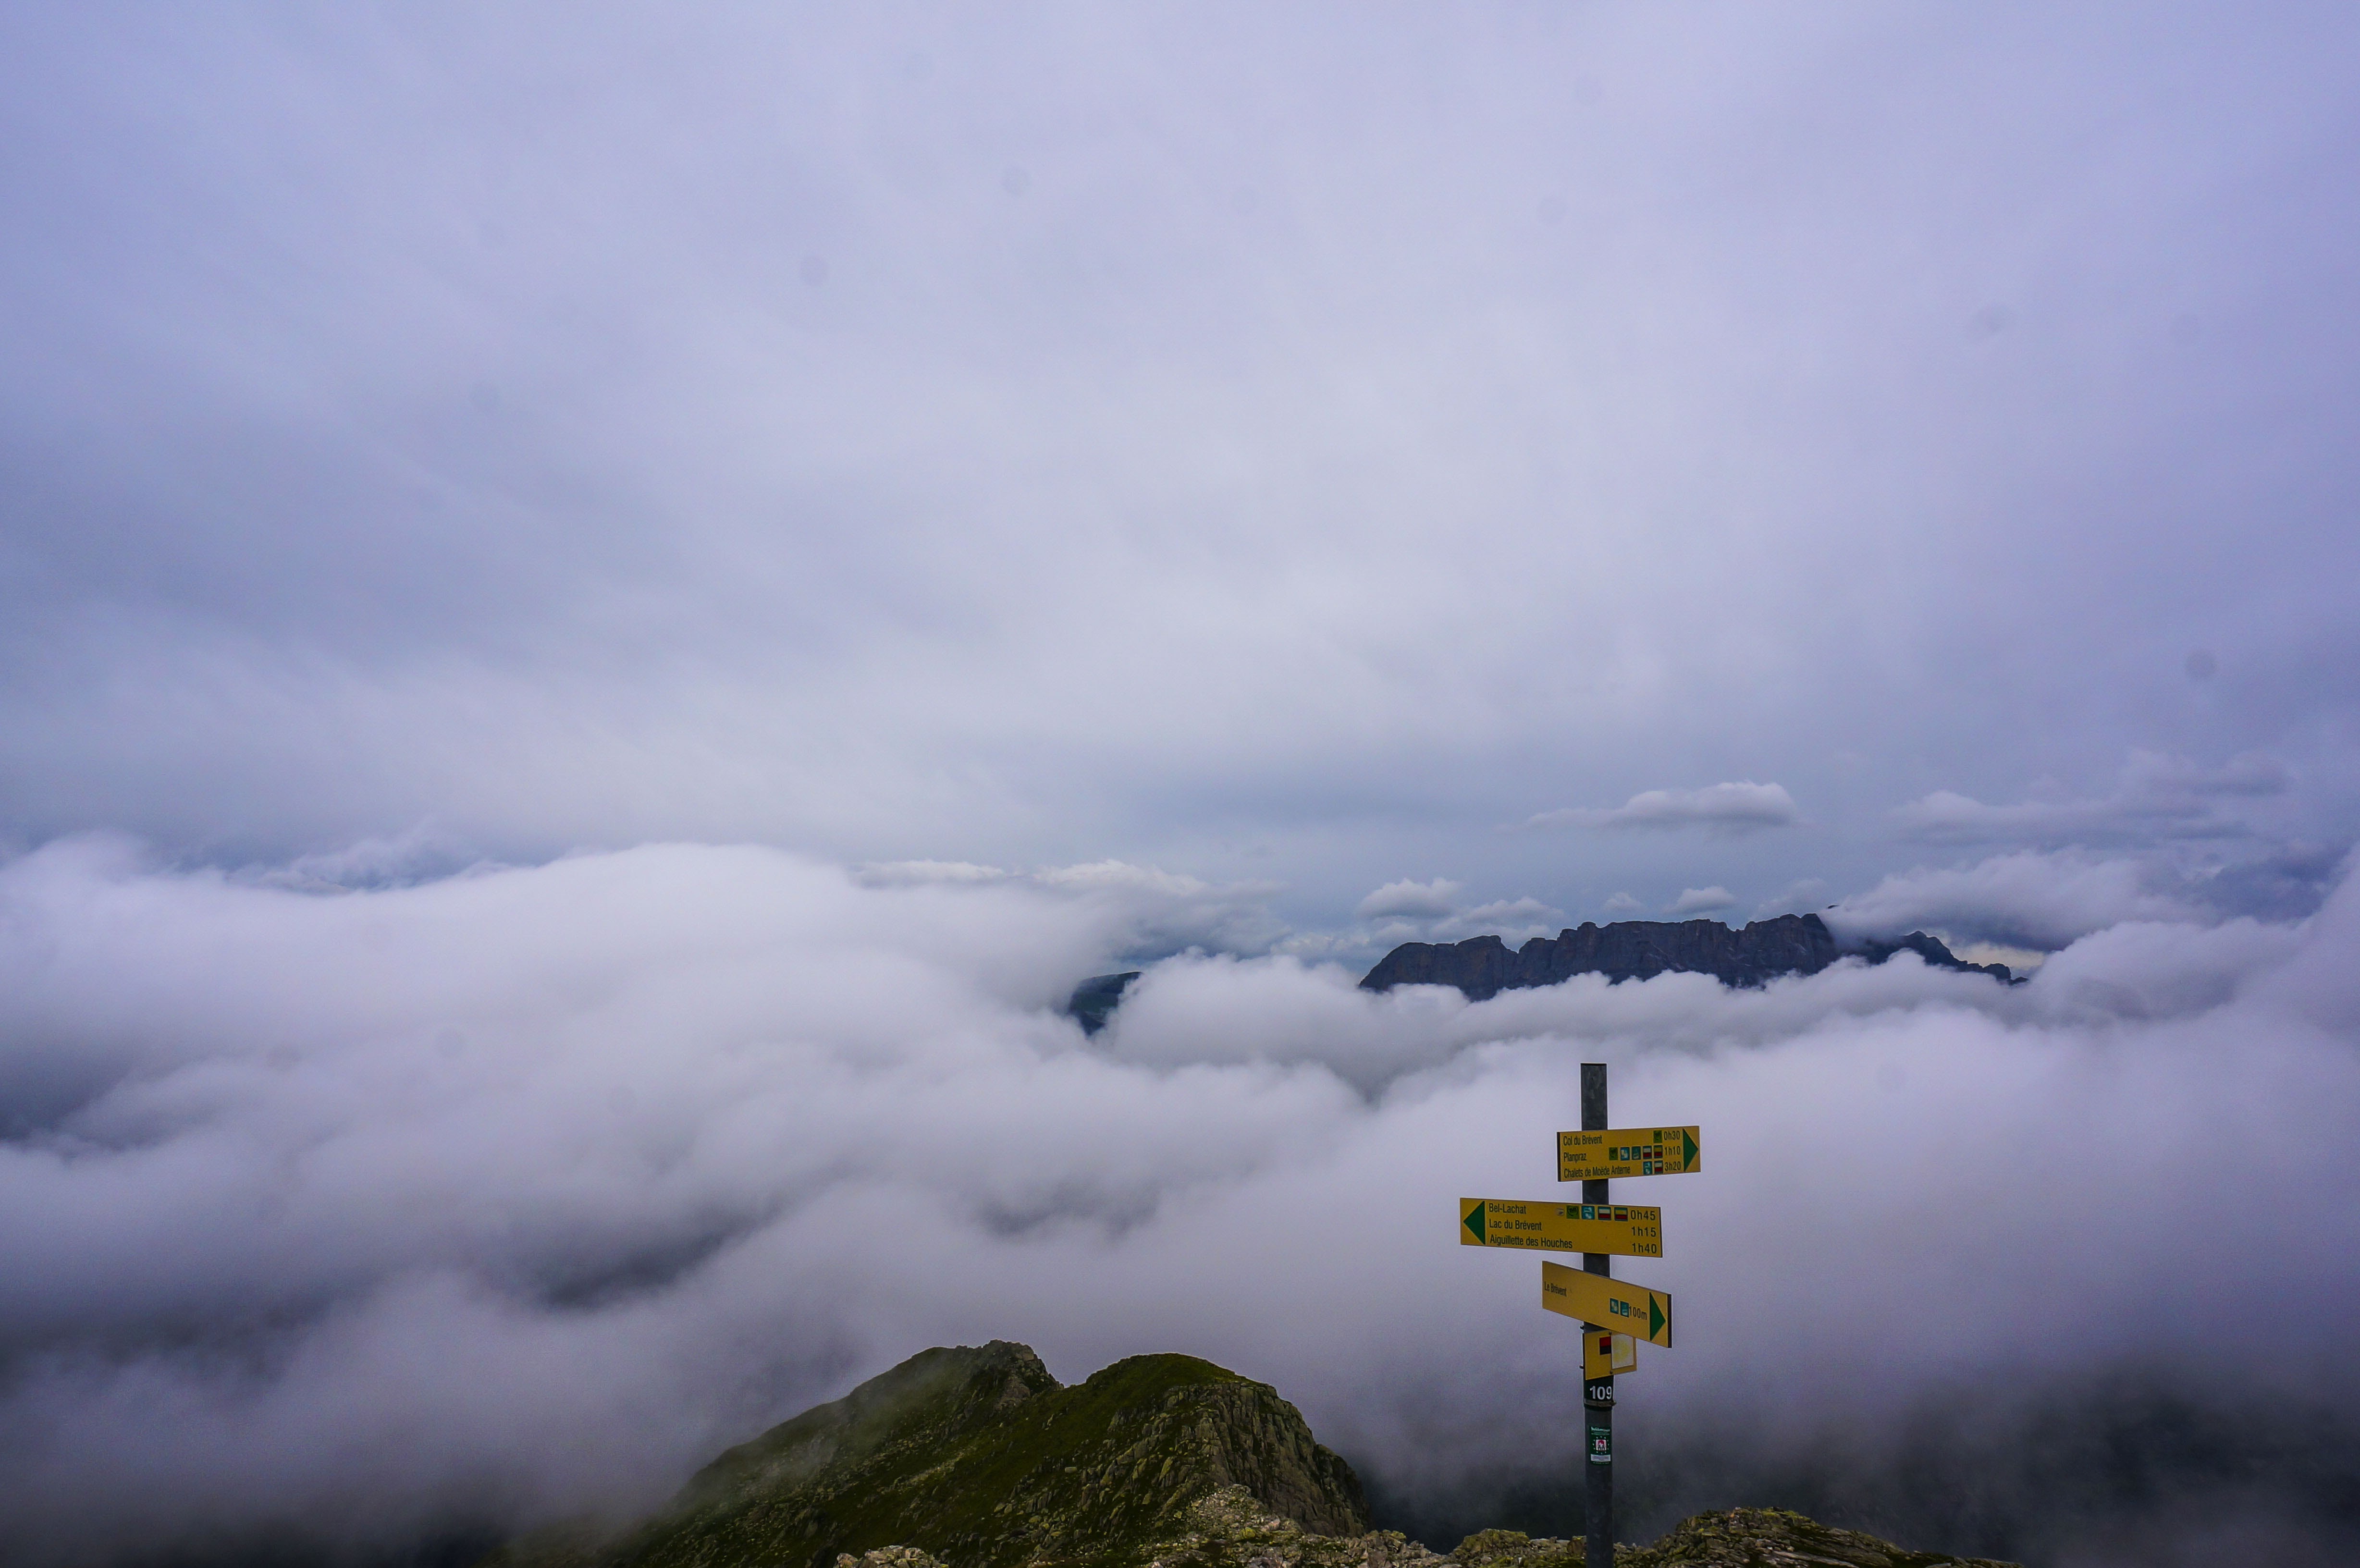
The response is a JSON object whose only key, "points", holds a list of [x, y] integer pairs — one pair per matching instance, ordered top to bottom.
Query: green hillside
{"points": [[978, 1454], [977, 1458]]}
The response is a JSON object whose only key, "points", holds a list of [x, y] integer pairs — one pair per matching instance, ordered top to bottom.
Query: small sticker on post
{"points": [[1605, 1353], [1602, 1445]]}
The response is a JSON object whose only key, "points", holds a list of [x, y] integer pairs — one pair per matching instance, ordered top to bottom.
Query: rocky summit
{"points": [[1484, 966], [977, 1458]]}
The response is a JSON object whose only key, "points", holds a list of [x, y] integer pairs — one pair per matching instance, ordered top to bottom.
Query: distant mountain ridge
{"points": [[1484, 966]]}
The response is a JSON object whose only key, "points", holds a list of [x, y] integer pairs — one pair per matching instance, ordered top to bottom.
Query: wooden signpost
{"points": [[1616, 1315]]}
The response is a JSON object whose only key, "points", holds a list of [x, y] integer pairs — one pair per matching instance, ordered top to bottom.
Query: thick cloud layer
{"points": [[519, 1193]]}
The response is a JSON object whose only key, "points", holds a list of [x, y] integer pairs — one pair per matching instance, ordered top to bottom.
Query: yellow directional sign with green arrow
{"points": [[1608, 1155], [1561, 1227], [1609, 1304]]}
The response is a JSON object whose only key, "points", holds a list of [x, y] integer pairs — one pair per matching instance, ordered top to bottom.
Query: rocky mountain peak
{"points": [[1484, 966], [974, 1456], [977, 1456]]}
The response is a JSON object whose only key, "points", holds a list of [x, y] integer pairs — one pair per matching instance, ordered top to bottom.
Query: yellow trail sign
{"points": [[1605, 1155], [1561, 1227], [1609, 1304], [1604, 1354]]}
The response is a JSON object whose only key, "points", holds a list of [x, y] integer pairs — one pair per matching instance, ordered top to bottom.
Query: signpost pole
{"points": [[1597, 1394]]}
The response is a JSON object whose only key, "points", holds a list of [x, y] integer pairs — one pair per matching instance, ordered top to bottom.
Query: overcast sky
{"points": [[1301, 448], [1025, 492]]}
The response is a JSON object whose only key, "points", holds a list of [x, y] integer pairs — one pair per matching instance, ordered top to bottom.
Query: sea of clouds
{"points": [[354, 1219]]}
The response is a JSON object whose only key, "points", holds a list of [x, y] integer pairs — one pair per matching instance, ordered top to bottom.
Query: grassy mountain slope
{"points": [[977, 1454], [977, 1458]]}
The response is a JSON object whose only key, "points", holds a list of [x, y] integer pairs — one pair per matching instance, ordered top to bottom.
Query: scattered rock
{"points": [[1229, 1528], [1232, 1532], [1772, 1538], [1514, 1549]]}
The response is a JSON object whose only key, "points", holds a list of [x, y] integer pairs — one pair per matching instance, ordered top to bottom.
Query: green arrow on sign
{"points": [[1689, 1149], [1633, 1230], [1612, 1305]]}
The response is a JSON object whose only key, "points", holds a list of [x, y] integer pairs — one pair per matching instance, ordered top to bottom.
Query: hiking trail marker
{"points": [[1607, 1153], [1561, 1227], [1609, 1304], [1615, 1315]]}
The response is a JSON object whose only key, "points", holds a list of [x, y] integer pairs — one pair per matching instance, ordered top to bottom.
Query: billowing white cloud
{"points": [[2160, 799], [1735, 808], [418, 854], [918, 873], [2030, 899], [1420, 900], [1699, 901], [1410, 911], [1164, 912], [1513, 918], [521, 1193]]}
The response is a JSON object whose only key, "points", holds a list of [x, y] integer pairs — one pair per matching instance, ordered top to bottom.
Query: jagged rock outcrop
{"points": [[1932, 950], [1484, 966], [1096, 999], [979, 1457], [1227, 1529], [1230, 1533], [1773, 1538]]}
